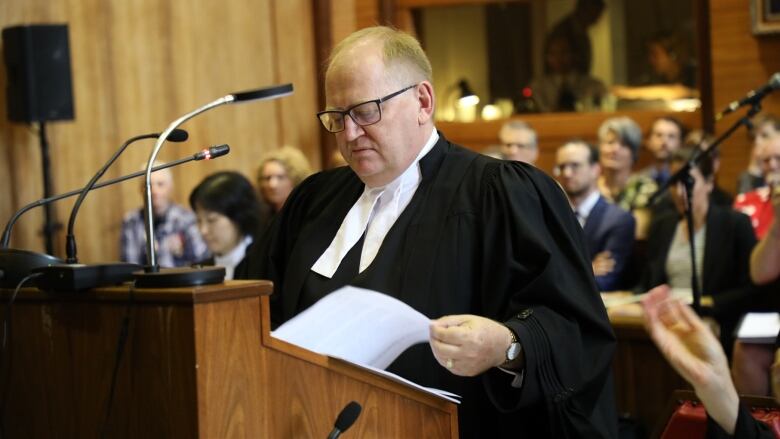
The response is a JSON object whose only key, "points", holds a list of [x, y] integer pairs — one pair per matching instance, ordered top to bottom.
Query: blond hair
{"points": [[399, 49], [292, 160]]}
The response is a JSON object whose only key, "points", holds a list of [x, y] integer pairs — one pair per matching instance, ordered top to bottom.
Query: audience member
{"points": [[573, 28], [670, 61], [672, 75], [563, 87], [765, 126], [666, 137], [700, 138], [694, 140], [518, 142], [619, 142], [279, 172], [758, 203], [228, 213], [608, 229], [176, 239], [723, 240], [488, 248], [765, 259], [694, 352], [751, 361]]}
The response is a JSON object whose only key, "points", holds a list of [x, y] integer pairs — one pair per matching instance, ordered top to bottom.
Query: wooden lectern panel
{"points": [[198, 362], [644, 381]]}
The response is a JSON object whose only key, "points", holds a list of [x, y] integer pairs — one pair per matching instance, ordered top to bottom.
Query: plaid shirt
{"points": [[177, 239]]}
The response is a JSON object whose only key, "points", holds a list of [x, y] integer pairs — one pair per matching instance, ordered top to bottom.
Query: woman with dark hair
{"points": [[228, 213], [723, 239]]}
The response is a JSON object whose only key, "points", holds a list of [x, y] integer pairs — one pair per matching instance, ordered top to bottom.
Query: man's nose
{"points": [[351, 129]]}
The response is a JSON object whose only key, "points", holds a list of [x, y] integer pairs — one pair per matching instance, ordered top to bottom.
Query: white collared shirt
{"points": [[583, 210], [374, 213], [232, 258]]}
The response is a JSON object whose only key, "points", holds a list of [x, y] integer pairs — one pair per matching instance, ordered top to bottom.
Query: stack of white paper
{"points": [[363, 327], [759, 327]]}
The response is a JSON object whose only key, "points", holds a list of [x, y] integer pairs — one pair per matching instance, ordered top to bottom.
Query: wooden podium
{"points": [[198, 362]]}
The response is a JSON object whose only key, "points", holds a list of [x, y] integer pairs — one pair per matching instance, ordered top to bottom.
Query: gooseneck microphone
{"points": [[244, 96], [752, 97], [70, 240], [16, 264], [152, 277], [345, 419]]}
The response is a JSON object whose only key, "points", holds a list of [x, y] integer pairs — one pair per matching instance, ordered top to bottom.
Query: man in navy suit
{"points": [[608, 229]]}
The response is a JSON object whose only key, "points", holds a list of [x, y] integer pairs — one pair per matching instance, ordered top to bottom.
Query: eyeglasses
{"points": [[363, 114], [561, 168]]}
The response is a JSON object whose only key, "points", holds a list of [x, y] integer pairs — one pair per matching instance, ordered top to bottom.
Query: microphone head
{"points": [[774, 81], [263, 93], [178, 135], [212, 152], [348, 416]]}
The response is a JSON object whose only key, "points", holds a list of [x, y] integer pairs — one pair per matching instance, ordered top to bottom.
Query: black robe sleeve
{"points": [[533, 254], [266, 258], [747, 428]]}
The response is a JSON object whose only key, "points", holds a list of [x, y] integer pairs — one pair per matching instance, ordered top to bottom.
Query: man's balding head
{"points": [[383, 73]]}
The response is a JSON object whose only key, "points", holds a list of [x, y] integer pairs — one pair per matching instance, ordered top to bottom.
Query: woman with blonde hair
{"points": [[279, 172]]}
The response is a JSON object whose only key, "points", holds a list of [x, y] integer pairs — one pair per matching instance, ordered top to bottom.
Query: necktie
{"points": [[580, 218], [352, 228]]}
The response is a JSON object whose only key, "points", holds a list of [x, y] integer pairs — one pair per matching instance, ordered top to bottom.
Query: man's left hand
{"points": [[468, 345]]}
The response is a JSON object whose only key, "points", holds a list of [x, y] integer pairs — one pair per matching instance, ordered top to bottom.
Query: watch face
{"points": [[513, 351]]}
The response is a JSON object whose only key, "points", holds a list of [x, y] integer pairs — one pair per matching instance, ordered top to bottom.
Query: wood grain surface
{"points": [[136, 67]]}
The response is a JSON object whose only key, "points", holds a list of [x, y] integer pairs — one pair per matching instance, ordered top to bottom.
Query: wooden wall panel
{"points": [[367, 13], [740, 62], [139, 65], [298, 112]]}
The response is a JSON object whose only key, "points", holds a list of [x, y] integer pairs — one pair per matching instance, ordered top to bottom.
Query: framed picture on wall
{"points": [[766, 16]]}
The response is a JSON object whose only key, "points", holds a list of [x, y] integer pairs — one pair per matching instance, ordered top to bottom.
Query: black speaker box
{"points": [[37, 60]]}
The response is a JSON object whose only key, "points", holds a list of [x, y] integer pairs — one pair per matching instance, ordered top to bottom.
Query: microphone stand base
{"points": [[16, 264], [80, 277], [179, 277]]}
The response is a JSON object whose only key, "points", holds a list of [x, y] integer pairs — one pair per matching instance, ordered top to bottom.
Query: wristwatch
{"points": [[514, 349]]}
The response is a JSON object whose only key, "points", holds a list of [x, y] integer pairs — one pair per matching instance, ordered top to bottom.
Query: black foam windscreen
{"points": [[37, 60]]}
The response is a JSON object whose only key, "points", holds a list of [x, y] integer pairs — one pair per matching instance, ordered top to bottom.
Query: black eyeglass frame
{"points": [[348, 111]]}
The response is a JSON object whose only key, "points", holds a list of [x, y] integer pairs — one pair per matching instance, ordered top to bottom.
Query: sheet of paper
{"points": [[359, 325], [362, 327], [759, 327], [449, 396]]}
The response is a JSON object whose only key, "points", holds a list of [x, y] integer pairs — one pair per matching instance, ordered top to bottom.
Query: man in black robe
{"points": [[488, 248]]}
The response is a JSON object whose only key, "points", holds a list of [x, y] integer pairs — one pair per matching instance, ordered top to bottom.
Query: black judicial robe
{"points": [[480, 236]]}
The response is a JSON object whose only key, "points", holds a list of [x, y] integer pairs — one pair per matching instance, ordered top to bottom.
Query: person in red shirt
{"points": [[757, 204]]}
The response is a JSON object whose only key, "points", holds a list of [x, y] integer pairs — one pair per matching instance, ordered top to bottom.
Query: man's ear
{"points": [[426, 100]]}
